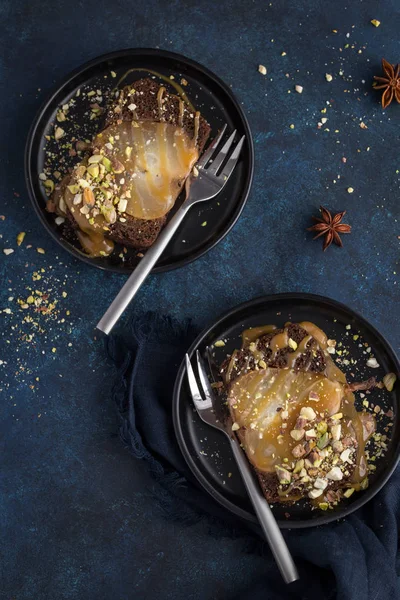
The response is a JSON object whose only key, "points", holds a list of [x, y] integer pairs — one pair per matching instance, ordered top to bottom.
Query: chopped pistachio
{"points": [[375, 22], [262, 69], [58, 133], [95, 158], [107, 163], [117, 166], [93, 170], [83, 183], [49, 184], [74, 189], [122, 204], [109, 213], [20, 237], [219, 343], [373, 363], [389, 381], [308, 413], [337, 416], [336, 431], [297, 434], [323, 441], [299, 465], [283, 474], [335, 474], [321, 483], [315, 493]]}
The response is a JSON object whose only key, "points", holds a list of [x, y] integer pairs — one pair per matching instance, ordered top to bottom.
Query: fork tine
{"points": [[211, 149], [222, 154], [231, 162], [205, 384], [194, 389]]}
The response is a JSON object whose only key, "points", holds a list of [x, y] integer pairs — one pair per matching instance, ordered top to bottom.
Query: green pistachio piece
{"points": [[95, 158], [107, 163], [93, 170], [49, 185], [323, 441]]}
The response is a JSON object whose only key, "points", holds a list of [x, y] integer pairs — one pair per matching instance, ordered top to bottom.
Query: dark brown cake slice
{"points": [[142, 104], [294, 414]]}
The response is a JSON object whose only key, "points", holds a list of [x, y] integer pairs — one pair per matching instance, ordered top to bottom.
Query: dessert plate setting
{"points": [[75, 113], [361, 353]]}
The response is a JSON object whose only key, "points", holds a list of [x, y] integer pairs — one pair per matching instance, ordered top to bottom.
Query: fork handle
{"points": [[136, 279], [265, 517]]}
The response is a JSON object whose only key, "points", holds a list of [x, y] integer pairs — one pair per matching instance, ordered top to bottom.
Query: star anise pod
{"points": [[390, 83], [330, 227]]}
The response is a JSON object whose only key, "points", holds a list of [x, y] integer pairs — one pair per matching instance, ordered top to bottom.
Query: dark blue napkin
{"points": [[357, 558]]}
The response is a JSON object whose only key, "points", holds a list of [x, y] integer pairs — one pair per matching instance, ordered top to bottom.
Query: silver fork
{"points": [[206, 185], [206, 411]]}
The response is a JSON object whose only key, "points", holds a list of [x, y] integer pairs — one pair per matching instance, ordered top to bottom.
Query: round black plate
{"points": [[207, 92], [207, 451]]}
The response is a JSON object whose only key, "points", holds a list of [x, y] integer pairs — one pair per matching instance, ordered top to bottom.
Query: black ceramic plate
{"points": [[207, 92], [206, 450]]}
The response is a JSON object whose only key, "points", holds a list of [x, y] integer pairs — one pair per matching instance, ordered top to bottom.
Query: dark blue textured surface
{"points": [[76, 517]]}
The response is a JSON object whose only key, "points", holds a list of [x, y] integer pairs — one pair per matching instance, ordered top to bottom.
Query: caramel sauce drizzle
{"points": [[160, 94], [181, 111], [196, 126], [92, 238], [252, 334], [257, 399]]}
